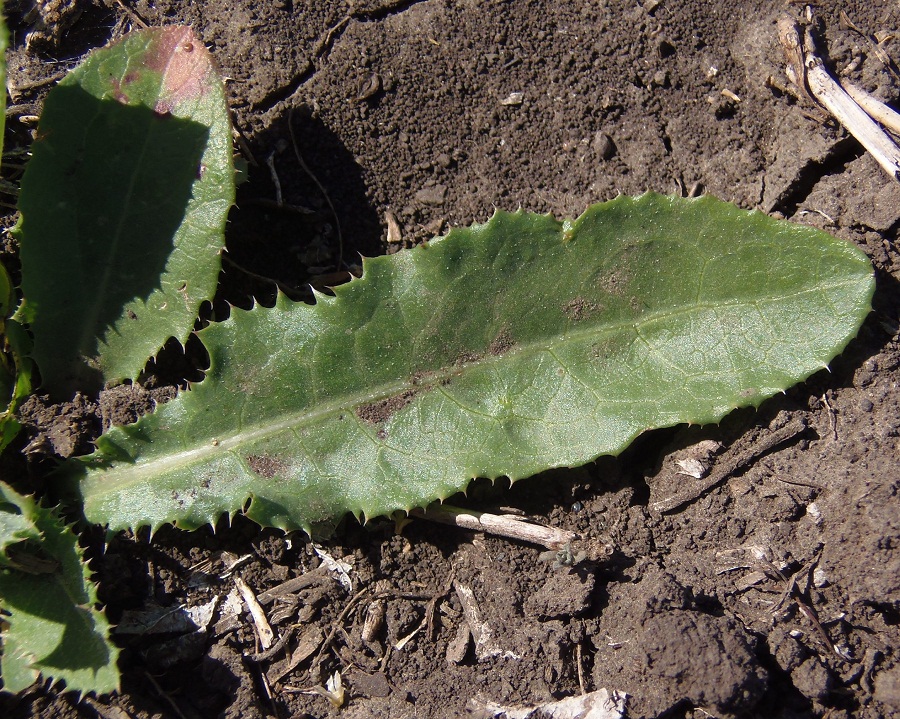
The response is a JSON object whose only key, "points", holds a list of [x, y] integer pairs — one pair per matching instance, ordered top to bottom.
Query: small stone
{"points": [[660, 79], [514, 98], [603, 146], [443, 160], [434, 195], [394, 234], [866, 405]]}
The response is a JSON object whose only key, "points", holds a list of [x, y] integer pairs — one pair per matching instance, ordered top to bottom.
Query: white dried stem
{"points": [[835, 99], [875, 108], [504, 525], [261, 624], [486, 645]]}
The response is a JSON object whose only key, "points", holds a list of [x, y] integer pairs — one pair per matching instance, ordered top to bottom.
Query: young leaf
{"points": [[123, 207], [503, 349], [7, 366], [15, 366], [53, 627]]}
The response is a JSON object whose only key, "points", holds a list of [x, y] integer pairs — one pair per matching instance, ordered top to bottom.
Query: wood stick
{"points": [[314, 576]]}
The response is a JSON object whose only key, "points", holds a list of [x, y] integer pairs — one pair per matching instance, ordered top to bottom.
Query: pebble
{"points": [[603, 146], [434, 195], [820, 578]]}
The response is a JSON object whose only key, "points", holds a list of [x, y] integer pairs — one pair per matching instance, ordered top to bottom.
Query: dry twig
{"points": [[876, 109], [504, 525], [315, 576], [261, 624], [486, 645]]}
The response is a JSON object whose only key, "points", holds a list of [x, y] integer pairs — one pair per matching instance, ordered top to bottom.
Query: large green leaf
{"points": [[123, 207], [504, 349], [54, 628]]}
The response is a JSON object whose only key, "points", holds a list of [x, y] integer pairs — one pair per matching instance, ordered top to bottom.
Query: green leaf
{"points": [[123, 207], [504, 349], [15, 366], [7, 368], [15, 377], [16, 520], [54, 628]]}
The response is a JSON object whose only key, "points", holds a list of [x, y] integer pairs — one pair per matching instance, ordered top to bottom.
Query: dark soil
{"points": [[774, 593]]}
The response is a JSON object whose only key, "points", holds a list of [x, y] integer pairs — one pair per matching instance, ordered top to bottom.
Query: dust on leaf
{"points": [[579, 308], [502, 343], [381, 411], [265, 466]]}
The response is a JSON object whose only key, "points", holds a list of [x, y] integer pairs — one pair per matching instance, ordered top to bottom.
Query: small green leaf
{"points": [[123, 207], [7, 294], [504, 349], [15, 366], [7, 367], [16, 373], [15, 524], [54, 628]]}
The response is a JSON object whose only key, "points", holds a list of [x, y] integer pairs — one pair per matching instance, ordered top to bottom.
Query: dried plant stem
{"points": [[807, 71], [835, 99], [877, 110], [731, 462], [504, 525], [263, 630]]}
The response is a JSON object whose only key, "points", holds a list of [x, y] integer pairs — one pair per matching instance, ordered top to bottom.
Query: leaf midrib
{"points": [[216, 444]]}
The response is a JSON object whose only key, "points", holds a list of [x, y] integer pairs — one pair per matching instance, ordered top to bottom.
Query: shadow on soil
{"points": [[299, 219]]}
